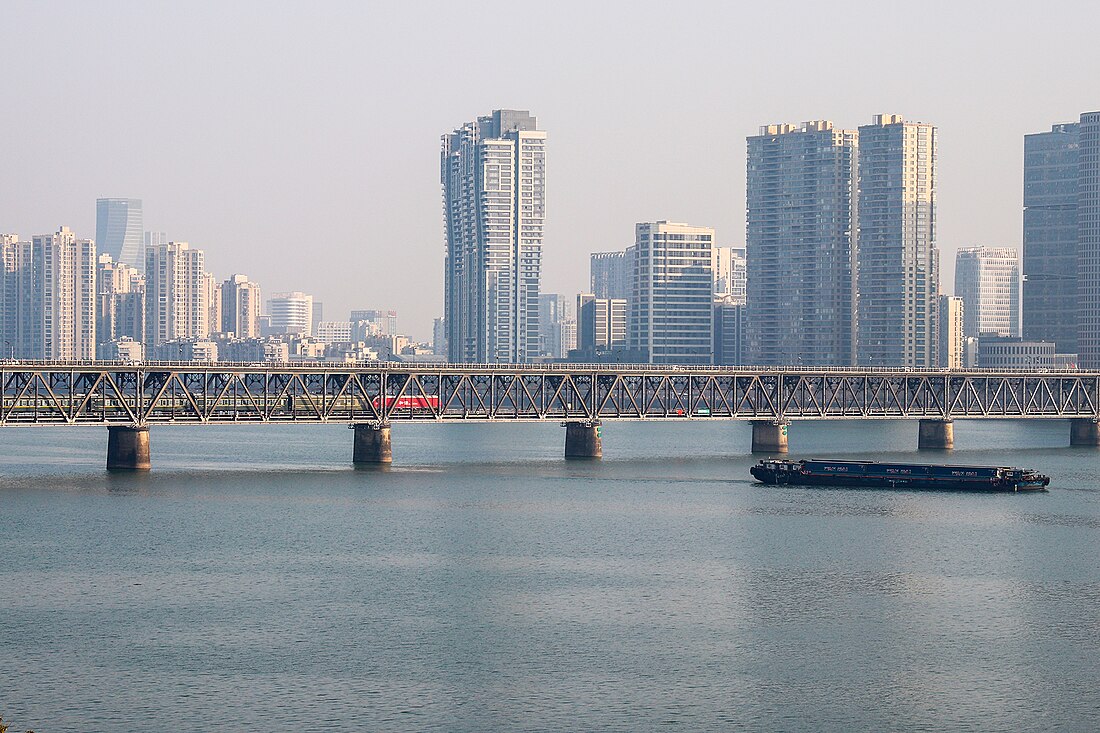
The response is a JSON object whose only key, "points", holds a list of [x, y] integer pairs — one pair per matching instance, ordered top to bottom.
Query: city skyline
{"points": [[265, 149]]}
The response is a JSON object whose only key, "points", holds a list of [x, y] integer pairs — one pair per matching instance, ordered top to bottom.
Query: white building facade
{"points": [[493, 172], [988, 281], [670, 313]]}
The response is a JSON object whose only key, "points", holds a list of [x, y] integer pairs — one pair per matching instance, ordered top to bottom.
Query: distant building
{"points": [[1051, 167], [493, 175], [119, 230], [153, 239], [1088, 244], [801, 245], [897, 260], [730, 273], [611, 274], [988, 281], [213, 290], [177, 295], [49, 297], [120, 308], [240, 310], [554, 310], [291, 313], [671, 313], [381, 322], [601, 323], [729, 331], [334, 332], [439, 337], [952, 337], [122, 349], [197, 350], [253, 350], [970, 352], [999, 352]]}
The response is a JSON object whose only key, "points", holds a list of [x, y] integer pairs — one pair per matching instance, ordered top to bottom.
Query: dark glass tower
{"points": [[1051, 162], [119, 231]]}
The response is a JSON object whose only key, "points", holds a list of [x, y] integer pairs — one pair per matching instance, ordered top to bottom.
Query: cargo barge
{"points": [[875, 475]]}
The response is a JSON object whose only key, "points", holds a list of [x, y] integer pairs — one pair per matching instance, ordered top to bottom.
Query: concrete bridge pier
{"points": [[1084, 432], [936, 435], [769, 436], [583, 439], [371, 444], [128, 448]]}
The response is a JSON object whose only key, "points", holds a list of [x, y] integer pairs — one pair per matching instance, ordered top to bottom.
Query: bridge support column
{"points": [[1084, 432], [936, 435], [769, 436], [583, 440], [371, 443], [128, 448]]}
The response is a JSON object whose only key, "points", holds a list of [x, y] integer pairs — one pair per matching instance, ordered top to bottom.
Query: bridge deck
{"points": [[175, 393]]}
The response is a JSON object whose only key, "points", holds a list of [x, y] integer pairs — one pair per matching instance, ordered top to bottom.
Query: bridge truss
{"points": [[152, 394]]}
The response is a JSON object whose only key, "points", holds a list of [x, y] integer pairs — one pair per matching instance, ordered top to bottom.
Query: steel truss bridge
{"points": [[380, 393]]}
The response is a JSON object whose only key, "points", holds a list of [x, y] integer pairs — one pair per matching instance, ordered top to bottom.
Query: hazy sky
{"points": [[299, 143]]}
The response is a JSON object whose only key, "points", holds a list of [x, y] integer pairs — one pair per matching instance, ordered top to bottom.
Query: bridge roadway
{"points": [[370, 397]]}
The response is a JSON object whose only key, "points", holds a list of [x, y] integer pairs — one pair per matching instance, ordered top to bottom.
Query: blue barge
{"points": [[875, 475]]}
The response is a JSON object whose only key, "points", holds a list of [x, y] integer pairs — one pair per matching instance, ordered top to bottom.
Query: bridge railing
{"points": [[532, 367]]}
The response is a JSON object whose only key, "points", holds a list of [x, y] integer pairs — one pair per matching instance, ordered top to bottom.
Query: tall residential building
{"points": [[1051, 163], [493, 175], [119, 229], [153, 239], [801, 244], [1088, 244], [897, 261], [730, 273], [611, 274], [988, 281], [176, 294], [49, 297], [9, 300], [213, 303], [120, 306], [240, 309], [291, 313], [670, 314], [601, 323], [952, 340]]}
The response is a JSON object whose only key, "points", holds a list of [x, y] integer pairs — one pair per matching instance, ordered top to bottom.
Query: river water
{"points": [[255, 581]]}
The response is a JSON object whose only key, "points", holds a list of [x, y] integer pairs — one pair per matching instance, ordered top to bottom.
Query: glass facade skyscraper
{"points": [[1051, 161], [119, 230]]}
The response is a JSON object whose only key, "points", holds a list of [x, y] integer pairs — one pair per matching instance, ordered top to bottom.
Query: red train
{"points": [[407, 402]]}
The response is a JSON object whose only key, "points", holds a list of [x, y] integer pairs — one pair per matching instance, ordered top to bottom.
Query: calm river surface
{"points": [[255, 581]]}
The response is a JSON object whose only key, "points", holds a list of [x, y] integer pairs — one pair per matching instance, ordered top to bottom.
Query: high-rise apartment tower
{"points": [[493, 176], [1088, 244], [801, 245], [897, 260], [176, 294], [670, 314]]}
